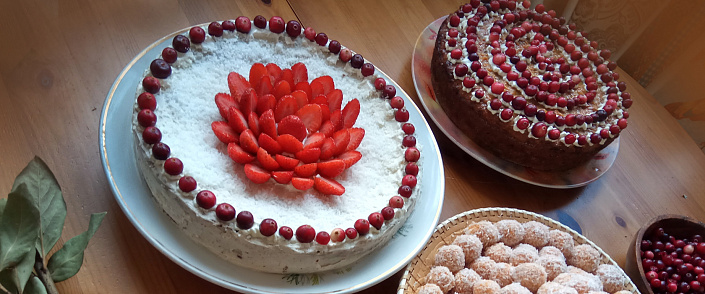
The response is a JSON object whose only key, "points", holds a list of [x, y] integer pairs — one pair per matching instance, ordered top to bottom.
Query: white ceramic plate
{"points": [[575, 177], [134, 197]]}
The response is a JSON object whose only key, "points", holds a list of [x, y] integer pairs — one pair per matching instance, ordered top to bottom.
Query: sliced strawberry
{"points": [[257, 71], [274, 71], [300, 73], [288, 76], [326, 82], [237, 84], [265, 86], [304, 86], [281, 88], [317, 88], [301, 97], [335, 99], [320, 100], [224, 101], [248, 102], [265, 102], [286, 106], [325, 112], [350, 113], [311, 116], [336, 117], [237, 121], [253, 123], [267, 124], [294, 126], [327, 128], [224, 132], [356, 135], [342, 138], [315, 140], [248, 141], [289, 143], [272, 146], [328, 148], [238, 154], [308, 155], [350, 157], [266, 160], [285, 162], [331, 168], [306, 170], [256, 174], [283, 177], [302, 184], [328, 186]]}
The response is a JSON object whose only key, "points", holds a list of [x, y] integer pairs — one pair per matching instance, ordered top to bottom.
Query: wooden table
{"points": [[59, 59]]}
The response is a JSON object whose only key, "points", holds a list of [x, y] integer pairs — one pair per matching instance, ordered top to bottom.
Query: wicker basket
{"points": [[415, 274]]}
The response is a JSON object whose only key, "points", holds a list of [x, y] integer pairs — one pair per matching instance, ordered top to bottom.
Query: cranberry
{"points": [[260, 21], [276, 24], [229, 25], [215, 29], [293, 29], [310, 33], [197, 35], [321, 39], [181, 43], [334, 46], [169, 55], [345, 56], [357, 61], [160, 68], [367, 69], [461, 69], [468, 82], [380, 83], [151, 84], [389, 92], [146, 101], [495, 104], [530, 110], [506, 114], [401, 115], [147, 118], [523, 123], [408, 128], [539, 130], [151, 135], [569, 139], [409, 141], [161, 151], [412, 154], [173, 166], [409, 180], [187, 184], [405, 191], [205, 199], [396, 202], [225, 212], [388, 213], [245, 220], [376, 220], [362, 226], [268, 227], [286, 232], [351, 233], [305, 234], [337, 235], [322, 238], [701, 246], [672, 287]]}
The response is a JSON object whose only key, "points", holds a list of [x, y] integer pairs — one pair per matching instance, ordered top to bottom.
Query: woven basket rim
{"points": [[504, 213]]}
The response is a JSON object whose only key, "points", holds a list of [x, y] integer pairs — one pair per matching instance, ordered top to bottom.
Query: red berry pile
{"points": [[280, 126], [673, 265]]}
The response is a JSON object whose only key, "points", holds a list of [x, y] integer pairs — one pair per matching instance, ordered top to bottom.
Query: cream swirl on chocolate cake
{"points": [[526, 86], [256, 176]]}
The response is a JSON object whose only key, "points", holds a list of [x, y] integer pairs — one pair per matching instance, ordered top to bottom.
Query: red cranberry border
{"points": [[160, 68]]}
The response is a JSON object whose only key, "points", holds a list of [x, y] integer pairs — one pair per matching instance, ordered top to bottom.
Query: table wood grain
{"points": [[59, 59]]}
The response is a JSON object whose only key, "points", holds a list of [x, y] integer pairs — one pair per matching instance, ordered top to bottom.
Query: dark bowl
{"points": [[679, 226]]}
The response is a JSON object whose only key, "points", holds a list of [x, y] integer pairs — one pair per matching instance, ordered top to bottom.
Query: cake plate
{"points": [[575, 177], [134, 197]]}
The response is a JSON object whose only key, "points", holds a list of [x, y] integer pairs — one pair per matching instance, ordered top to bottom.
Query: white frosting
{"points": [[185, 111]]}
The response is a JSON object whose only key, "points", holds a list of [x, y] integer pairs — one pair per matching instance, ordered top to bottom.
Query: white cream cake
{"points": [[182, 120]]}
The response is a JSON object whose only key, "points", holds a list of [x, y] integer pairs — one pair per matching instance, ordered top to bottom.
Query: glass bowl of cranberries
{"points": [[668, 256]]}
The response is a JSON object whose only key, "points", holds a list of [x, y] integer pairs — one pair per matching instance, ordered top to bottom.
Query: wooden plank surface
{"points": [[60, 58]]}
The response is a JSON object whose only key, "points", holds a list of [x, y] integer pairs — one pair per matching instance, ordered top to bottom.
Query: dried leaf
{"points": [[47, 197], [19, 227], [68, 260]]}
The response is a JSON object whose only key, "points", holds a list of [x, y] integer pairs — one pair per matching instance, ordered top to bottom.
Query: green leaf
{"points": [[46, 196], [3, 202], [19, 227], [68, 260], [15, 278], [35, 286]]}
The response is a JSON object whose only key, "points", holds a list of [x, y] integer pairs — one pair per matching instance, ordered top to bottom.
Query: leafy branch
{"points": [[31, 222]]}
